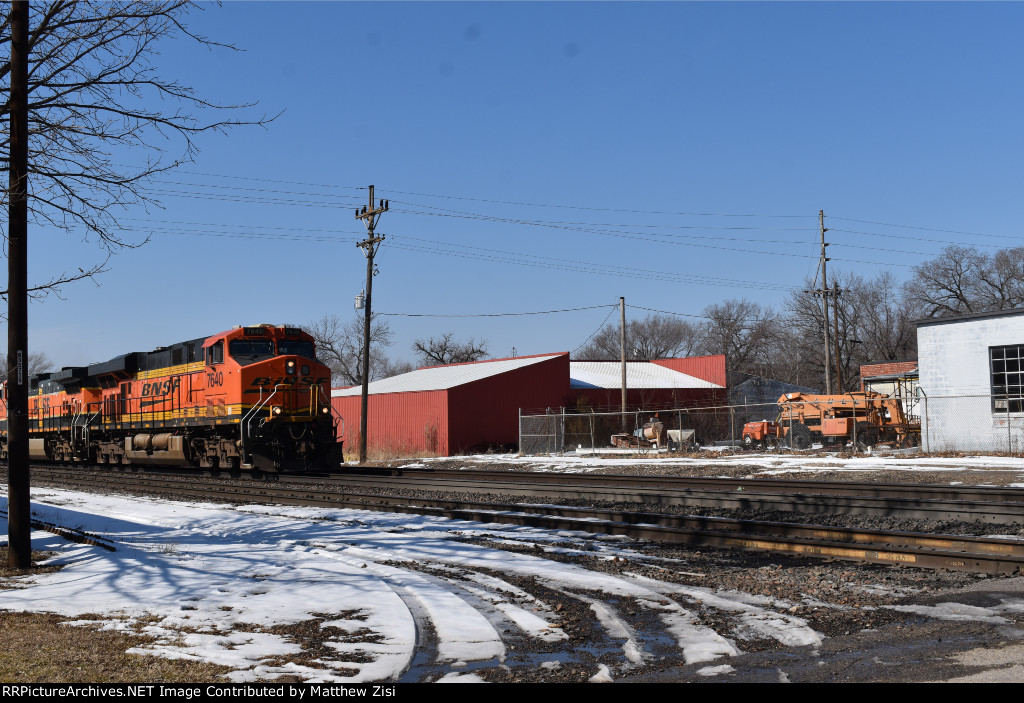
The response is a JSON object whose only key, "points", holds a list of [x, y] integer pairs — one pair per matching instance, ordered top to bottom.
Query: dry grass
{"points": [[384, 455], [39, 648], [42, 648]]}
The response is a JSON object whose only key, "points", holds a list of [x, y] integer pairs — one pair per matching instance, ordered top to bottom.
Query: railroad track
{"points": [[753, 485], [996, 506], [989, 555]]}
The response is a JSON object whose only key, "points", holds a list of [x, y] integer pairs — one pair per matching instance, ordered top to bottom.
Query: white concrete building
{"points": [[972, 382]]}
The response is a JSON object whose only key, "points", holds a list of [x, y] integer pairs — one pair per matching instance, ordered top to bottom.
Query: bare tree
{"points": [[94, 99], [963, 280], [947, 285], [875, 322], [885, 326], [746, 332], [653, 337], [340, 346], [445, 350], [393, 367]]}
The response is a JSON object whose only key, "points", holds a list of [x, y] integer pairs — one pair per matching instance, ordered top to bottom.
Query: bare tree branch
{"points": [[94, 95], [653, 337], [340, 346], [444, 350]]}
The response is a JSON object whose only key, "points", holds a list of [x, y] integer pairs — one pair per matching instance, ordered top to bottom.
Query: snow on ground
{"points": [[770, 463], [216, 583]]}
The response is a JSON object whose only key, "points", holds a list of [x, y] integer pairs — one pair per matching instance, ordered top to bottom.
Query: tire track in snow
{"points": [[751, 618], [617, 629], [463, 633]]}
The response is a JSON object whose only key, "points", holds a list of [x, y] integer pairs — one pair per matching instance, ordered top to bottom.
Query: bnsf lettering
{"points": [[214, 378], [161, 387]]}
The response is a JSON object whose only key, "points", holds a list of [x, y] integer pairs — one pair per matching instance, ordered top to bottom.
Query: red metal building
{"points": [[445, 410]]}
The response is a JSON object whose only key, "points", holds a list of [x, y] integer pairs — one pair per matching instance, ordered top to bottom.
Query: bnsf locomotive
{"points": [[254, 398]]}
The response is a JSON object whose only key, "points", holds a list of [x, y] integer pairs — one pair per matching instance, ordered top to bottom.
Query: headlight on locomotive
{"points": [[290, 367], [278, 410], [325, 410]]}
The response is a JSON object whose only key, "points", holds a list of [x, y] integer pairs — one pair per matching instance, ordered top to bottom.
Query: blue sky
{"points": [[543, 156]]}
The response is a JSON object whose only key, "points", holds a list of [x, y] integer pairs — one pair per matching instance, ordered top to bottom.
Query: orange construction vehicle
{"points": [[863, 419]]}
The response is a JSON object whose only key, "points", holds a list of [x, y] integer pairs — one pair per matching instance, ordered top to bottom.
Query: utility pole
{"points": [[369, 215], [824, 303], [835, 320], [622, 355], [19, 511]]}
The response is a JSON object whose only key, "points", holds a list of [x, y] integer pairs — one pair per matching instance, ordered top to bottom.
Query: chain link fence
{"points": [[963, 423], [971, 423], [939, 424], [561, 431], [542, 434]]}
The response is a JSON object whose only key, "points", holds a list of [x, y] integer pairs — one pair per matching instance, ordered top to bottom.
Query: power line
{"points": [[492, 201], [576, 207], [453, 213], [585, 228], [928, 229], [923, 239], [586, 267], [667, 312], [491, 314], [599, 328]]}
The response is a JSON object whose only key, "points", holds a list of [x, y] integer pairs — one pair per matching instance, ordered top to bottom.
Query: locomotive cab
{"points": [[267, 380]]}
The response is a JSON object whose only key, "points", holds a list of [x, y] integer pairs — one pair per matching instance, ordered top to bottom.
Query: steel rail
{"points": [[753, 485], [726, 495], [732, 495], [988, 555]]}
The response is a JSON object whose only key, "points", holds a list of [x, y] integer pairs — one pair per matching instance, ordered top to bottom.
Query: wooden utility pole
{"points": [[370, 215], [824, 303], [835, 339], [622, 354], [19, 511]]}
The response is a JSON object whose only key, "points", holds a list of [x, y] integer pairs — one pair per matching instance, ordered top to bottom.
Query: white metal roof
{"points": [[639, 374], [437, 378]]}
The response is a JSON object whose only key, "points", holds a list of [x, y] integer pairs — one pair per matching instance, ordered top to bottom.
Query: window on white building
{"points": [[1007, 364]]}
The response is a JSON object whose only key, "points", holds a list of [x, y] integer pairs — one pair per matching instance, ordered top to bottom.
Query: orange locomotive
{"points": [[252, 398]]}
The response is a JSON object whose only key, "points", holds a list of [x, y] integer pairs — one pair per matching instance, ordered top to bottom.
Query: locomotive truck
{"points": [[253, 398], [864, 418]]}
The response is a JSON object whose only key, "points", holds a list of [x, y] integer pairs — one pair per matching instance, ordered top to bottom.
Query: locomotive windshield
{"points": [[297, 347], [249, 351]]}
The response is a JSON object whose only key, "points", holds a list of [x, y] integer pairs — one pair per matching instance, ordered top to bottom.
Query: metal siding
{"points": [[709, 368], [639, 374], [603, 399], [486, 412], [398, 423]]}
